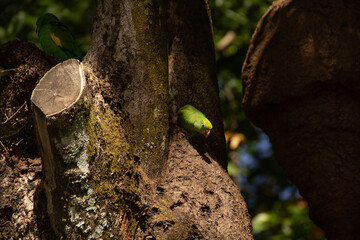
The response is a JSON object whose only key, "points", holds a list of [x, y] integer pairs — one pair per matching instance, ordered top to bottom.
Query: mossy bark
{"points": [[128, 56]]}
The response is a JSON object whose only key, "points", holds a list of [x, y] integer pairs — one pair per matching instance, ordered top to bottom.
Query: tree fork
{"points": [[145, 181]]}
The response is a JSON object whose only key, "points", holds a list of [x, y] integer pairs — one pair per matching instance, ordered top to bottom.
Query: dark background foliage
{"points": [[278, 210]]}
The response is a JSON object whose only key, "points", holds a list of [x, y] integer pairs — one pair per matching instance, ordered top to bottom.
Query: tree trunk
{"points": [[301, 87], [114, 163]]}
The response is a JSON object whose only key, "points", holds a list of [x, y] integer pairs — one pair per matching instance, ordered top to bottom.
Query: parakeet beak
{"points": [[206, 133]]}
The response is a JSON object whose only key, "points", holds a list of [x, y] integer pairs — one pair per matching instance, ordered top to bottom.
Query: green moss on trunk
{"points": [[150, 25]]}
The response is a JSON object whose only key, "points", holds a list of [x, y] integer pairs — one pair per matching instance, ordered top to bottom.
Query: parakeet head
{"points": [[45, 19], [205, 127]]}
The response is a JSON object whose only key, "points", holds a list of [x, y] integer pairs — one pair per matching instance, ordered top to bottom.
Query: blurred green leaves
{"points": [[238, 16], [18, 19], [234, 22], [286, 221]]}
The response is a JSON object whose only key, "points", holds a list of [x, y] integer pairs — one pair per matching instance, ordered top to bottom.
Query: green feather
{"points": [[56, 39], [193, 121]]}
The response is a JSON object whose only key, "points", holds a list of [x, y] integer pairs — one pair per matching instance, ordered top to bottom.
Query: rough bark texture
{"points": [[128, 54], [301, 85], [144, 179], [21, 200], [198, 200]]}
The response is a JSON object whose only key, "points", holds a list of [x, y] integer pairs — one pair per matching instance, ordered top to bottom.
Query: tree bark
{"points": [[192, 69], [301, 87], [114, 163], [21, 199]]}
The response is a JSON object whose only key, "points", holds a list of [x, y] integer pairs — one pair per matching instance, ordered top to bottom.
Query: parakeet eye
{"points": [[202, 125]]}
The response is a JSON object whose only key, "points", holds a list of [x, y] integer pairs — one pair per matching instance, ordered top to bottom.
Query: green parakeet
{"points": [[56, 39], [193, 121]]}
